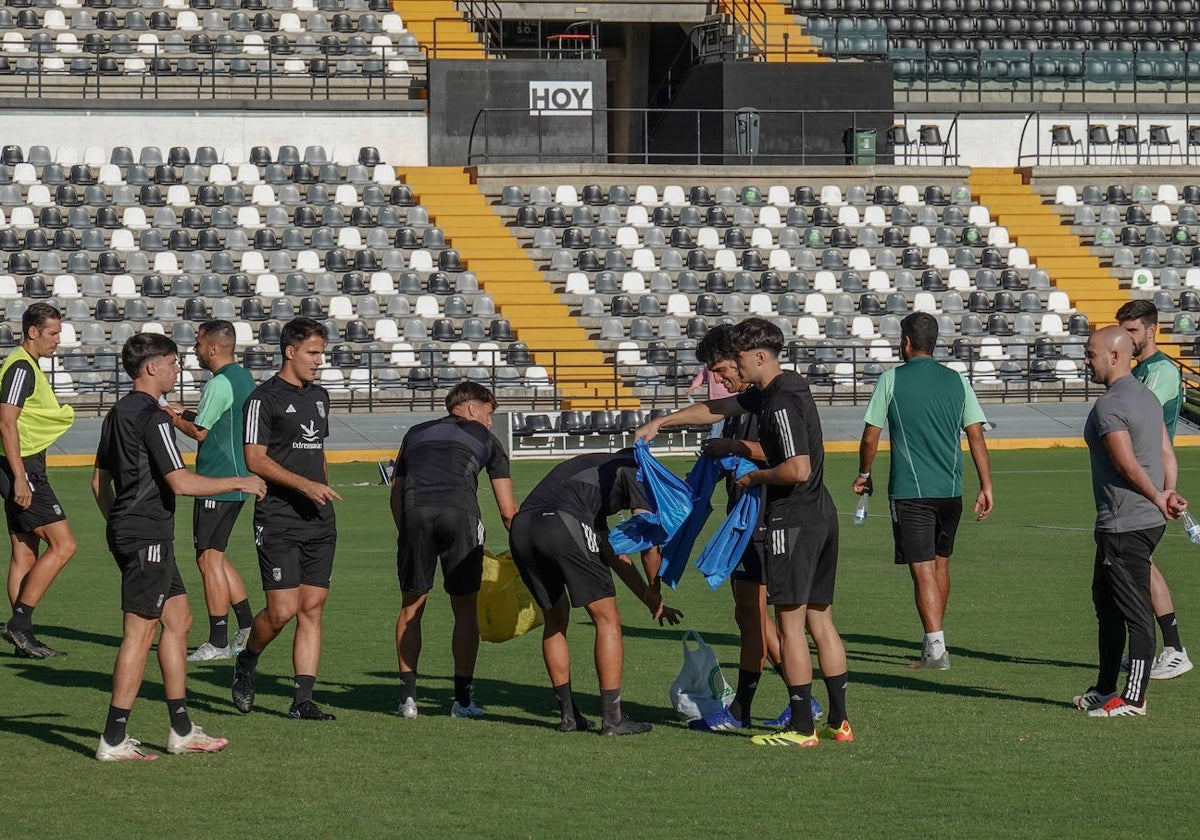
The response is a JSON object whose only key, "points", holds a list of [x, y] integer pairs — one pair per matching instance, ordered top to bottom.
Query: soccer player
{"points": [[1157, 372], [926, 406], [31, 420], [286, 423], [217, 426], [137, 476], [1133, 481], [436, 508], [801, 527], [559, 541], [758, 636]]}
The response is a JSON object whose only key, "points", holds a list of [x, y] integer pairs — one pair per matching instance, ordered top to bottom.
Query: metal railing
{"points": [[268, 71], [695, 124], [1126, 144], [839, 374]]}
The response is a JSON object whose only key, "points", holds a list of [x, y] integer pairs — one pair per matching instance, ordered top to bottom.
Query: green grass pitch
{"points": [[989, 748]]}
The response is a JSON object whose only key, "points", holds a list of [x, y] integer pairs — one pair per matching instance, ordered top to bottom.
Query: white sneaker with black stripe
{"points": [[1169, 664], [1091, 699]]}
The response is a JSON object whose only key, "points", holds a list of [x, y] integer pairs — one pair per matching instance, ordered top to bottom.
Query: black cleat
{"points": [[26, 643], [243, 688], [308, 710], [576, 724], [627, 726]]}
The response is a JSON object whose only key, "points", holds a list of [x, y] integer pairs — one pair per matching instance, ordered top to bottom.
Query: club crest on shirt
{"points": [[321, 409]]}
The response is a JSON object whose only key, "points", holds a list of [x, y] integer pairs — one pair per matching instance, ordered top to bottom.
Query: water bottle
{"points": [[864, 500], [1191, 526]]}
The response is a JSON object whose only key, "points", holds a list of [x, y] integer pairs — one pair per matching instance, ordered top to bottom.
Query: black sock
{"points": [[244, 616], [22, 617], [1166, 624], [218, 630], [247, 660], [408, 685], [746, 686], [836, 688], [302, 689], [462, 690], [800, 698], [566, 700], [610, 703], [181, 724], [114, 727]]}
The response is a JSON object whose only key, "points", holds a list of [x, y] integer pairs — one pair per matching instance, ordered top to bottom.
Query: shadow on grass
{"points": [[75, 635], [955, 650], [908, 681], [42, 727]]}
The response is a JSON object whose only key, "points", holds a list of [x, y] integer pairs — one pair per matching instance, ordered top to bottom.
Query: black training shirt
{"points": [[293, 424], [788, 425], [137, 448], [440, 460], [591, 488]]}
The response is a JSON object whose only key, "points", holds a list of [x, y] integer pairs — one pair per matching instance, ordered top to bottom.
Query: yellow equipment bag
{"points": [[505, 606]]}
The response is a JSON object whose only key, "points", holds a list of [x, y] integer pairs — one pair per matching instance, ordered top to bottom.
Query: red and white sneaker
{"points": [[1118, 707], [196, 741]]}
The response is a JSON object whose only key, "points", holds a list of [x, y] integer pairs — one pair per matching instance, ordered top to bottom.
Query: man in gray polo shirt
{"points": [[1133, 480]]}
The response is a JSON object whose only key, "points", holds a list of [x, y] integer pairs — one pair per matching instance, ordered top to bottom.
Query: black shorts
{"points": [[43, 510], [212, 523], [924, 528], [454, 535], [554, 551], [287, 558], [801, 561], [750, 567], [149, 578]]}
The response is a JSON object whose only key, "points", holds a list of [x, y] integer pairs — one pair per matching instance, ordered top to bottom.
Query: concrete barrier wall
{"points": [[402, 137]]}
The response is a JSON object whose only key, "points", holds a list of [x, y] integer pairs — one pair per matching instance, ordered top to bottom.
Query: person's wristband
{"points": [[864, 475]]}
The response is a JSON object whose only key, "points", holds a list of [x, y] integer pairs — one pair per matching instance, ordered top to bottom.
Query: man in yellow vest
{"points": [[31, 420]]}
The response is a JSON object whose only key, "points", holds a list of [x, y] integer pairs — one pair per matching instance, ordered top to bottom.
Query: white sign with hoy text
{"points": [[560, 99]]}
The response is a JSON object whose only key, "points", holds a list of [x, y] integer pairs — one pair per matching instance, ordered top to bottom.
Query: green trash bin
{"points": [[860, 146]]}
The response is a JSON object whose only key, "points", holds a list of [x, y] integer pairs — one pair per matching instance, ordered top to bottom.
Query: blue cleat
{"points": [[785, 717], [720, 721]]}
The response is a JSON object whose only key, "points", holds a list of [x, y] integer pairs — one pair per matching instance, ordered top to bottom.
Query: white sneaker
{"points": [[240, 639], [208, 652], [1170, 663], [1091, 699], [408, 709], [468, 711], [196, 741], [127, 750]]}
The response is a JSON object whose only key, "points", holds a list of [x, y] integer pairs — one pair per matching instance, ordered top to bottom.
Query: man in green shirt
{"points": [[1139, 318], [926, 407], [217, 426]]}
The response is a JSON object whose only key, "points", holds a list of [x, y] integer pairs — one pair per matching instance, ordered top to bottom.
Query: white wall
{"points": [[400, 136]]}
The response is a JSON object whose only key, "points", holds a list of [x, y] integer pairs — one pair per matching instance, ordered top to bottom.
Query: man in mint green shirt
{"points": [[1139, 318], [926, 407], [217, 425]]}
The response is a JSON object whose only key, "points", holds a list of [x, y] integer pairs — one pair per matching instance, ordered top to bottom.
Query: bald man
{"points": [[1133, 480]]}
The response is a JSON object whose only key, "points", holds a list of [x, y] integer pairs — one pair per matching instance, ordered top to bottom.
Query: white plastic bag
{"points": [[700, 689]]}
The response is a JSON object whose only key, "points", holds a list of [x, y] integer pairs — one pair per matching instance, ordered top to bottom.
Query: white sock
{"points": [[935, 644]]}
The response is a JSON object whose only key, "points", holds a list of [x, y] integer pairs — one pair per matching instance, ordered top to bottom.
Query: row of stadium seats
{"points": [[204, 5], [1096, 9]]}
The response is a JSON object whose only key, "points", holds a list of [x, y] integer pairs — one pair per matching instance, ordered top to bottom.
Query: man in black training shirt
{"points": [[31, 420], [286, 422], [138, 473], [436, 508], [800, 522], [559, 542]]}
